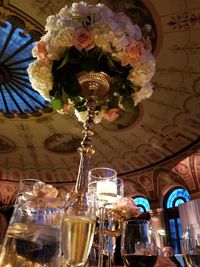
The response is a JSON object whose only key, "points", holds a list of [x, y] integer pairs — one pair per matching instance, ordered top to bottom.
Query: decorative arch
{"points": [[165, 177], [138, 188]]}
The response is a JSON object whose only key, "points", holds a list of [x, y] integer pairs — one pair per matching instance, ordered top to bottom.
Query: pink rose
{"points": [[84, 39], [147, 44], [135, 50], [41, 51], [110, 114]]}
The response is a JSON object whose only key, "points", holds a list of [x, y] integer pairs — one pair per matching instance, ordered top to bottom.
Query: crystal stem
{"points": [[86, 150]]}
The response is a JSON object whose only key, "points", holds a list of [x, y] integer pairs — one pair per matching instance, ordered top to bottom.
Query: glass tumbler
{"points": [[33, 238]]}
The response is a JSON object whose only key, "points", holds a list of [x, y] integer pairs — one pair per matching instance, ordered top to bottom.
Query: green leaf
{"points": [[65, 59], [65, 96], [127, 103], [57, 104]]}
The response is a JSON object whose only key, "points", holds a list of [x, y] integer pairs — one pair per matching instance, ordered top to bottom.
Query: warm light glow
{"points": [[107, 190]]}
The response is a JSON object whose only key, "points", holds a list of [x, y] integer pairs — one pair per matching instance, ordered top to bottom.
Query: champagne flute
{"points": [[103, 184], [78, 228], [138, 245]]}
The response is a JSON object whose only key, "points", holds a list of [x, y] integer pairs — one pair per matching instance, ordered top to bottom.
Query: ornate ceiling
{"points": [[151, 149]]}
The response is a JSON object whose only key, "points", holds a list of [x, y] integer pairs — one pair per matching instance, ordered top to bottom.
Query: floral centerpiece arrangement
{"points": [[93, 38]]}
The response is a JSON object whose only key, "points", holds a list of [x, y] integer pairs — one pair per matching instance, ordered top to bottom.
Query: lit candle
{"points": [[107, 190]]}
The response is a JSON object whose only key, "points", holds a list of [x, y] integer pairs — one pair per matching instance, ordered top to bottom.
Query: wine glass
{"points": [[103, 184], [78, 228], [33, 237], [138, 245], [191, 245]]}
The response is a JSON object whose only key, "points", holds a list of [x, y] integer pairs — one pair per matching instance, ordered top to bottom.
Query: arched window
{"points": [[177, 197], [173, 199], [143, 203]]}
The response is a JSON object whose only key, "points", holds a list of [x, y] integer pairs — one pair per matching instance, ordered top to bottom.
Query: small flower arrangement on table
{"points": [[93, 38], [124, 209]]}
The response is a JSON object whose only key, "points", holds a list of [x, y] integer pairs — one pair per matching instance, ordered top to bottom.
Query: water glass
{"points": [[103, 184], [78, 227], [33, 237], [138, 245]]}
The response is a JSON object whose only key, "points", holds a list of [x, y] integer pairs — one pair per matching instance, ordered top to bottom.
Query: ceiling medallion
{"points": [[62, 143]]}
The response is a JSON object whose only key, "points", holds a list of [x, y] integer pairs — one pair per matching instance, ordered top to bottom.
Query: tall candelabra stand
{"points": [[94, 86]]}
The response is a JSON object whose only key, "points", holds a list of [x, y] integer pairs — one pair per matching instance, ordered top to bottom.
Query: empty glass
{"points": [[33, 237], [138, 245]]}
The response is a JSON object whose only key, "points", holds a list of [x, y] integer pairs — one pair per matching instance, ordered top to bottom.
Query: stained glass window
{"points": [[17, 98], [177, 197], [143, 203]]}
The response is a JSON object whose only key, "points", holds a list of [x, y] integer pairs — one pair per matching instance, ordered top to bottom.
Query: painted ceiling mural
{"points": [[152, 149]]}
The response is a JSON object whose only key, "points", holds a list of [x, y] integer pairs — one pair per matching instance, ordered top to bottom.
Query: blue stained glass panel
{"points": [[4, 31], [17, 96], [177, 197], [143, 203], [174, 238]]}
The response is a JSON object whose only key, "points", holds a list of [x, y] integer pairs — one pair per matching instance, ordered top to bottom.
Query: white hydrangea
{"points": [[52, 22], [143, 71], [41, 77], [145, 92]]}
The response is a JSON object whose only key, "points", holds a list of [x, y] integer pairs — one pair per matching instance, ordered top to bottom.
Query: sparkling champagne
{"points": [[77, 235], [31, 245], [132, 260]]}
